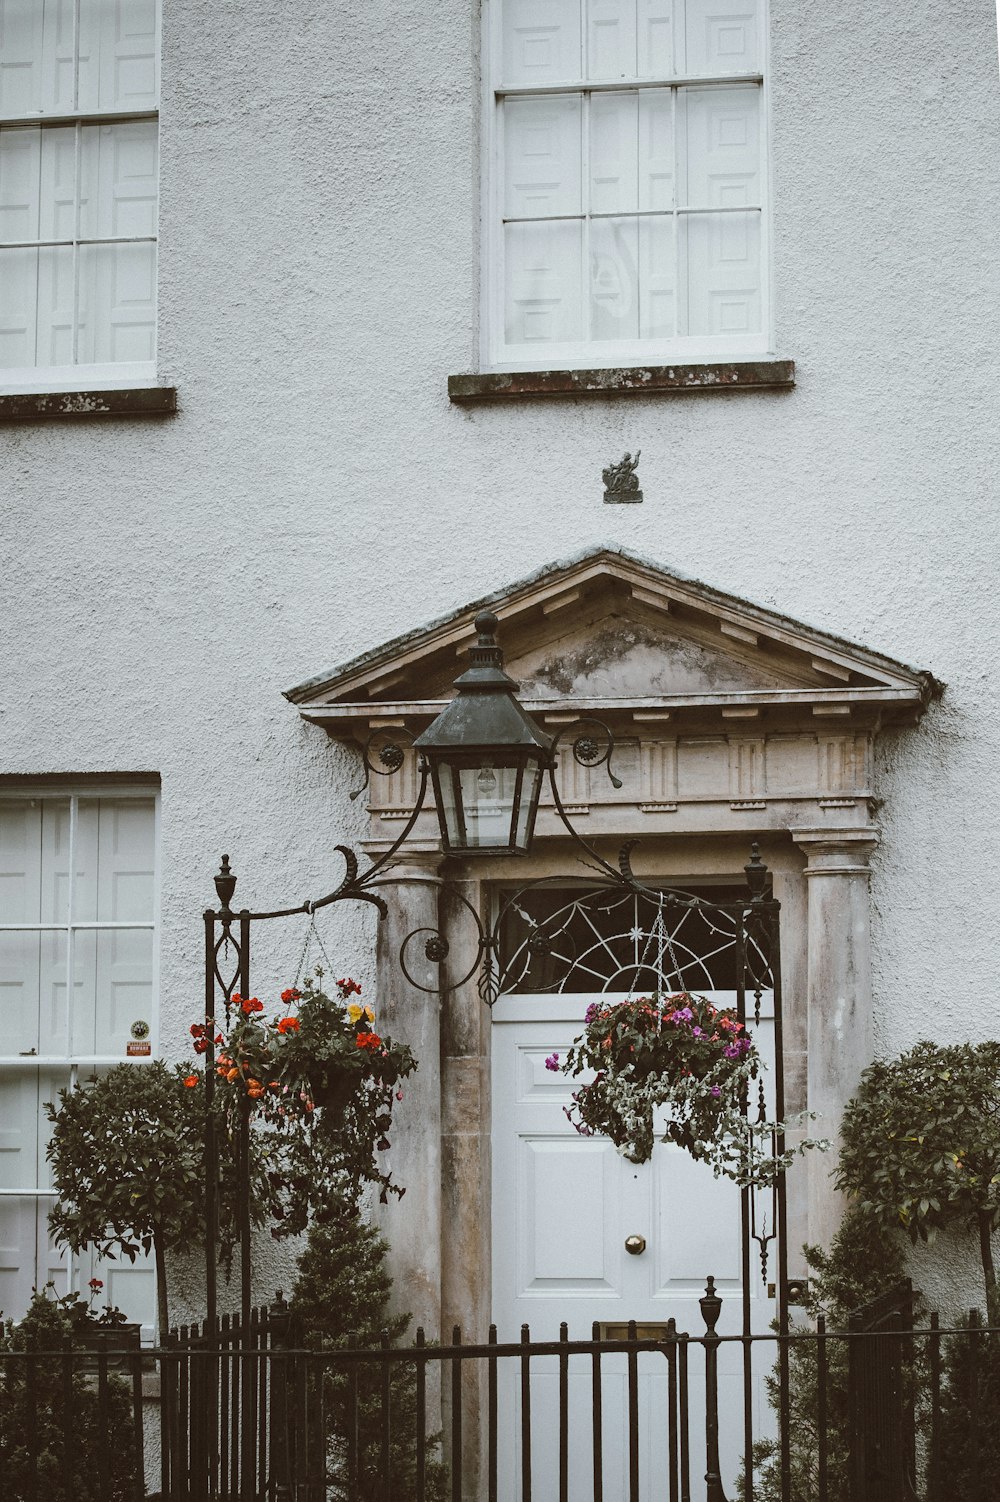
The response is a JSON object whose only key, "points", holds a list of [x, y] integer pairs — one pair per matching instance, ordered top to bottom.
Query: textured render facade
{"points": [[317, 494]]}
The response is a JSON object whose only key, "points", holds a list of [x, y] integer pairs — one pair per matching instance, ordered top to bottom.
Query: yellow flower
{"points": [[356, 1013]]}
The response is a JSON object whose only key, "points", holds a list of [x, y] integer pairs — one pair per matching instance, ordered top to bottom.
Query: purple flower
{"points": [[591, 1012], [683, 1014], [696, 1032], [732, 1050], [552, 1062], [716, 1092]]}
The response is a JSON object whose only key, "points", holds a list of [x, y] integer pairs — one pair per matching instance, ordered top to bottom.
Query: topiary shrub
{"points": [[341, 1299], [44, 1451]]}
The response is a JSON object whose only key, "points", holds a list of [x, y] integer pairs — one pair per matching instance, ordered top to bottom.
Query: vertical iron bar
{"points": [[211, 1153], [781, 1198], [746, 1229], [711, 1308], [685, 1345], [671, 1353], [224, 1374], [263, 1404], [491, 1407], [822, 1409], [31, 1410], [234, 1410], [184, 1412], [301, 1412], [633, 1415], [421, 1416], [525, 1416], [563, 1416], [598, 1417], [456, 1419], [386, 1420], [974, 1438], [248, 1439], [104, 1440], [69, 1453], [353, 1455], [139, 1458], [934, 1461]]}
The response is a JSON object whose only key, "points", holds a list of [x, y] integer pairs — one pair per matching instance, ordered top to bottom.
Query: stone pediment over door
{"points": [[725, 714]]}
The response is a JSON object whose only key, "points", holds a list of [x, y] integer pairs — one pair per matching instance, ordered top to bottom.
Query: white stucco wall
{"points": [[318, 494]]}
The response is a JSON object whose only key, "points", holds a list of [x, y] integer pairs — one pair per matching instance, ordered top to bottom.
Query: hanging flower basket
{"points": [[682, 1054], [321, 1069]]}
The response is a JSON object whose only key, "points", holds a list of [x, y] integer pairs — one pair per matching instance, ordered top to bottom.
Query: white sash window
{"points": [[79, 92], [627, 196], [78, 899]]}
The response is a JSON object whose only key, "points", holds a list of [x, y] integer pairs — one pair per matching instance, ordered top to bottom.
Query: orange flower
{"points": [[288, 1025], [232, 1074], [191, 1081]]}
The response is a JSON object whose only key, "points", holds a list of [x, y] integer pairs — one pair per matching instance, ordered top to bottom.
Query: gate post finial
{"points": [[756, 873], [225, 884]]}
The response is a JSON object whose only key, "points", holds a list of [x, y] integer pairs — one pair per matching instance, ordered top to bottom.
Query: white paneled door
{"points": [[563, 1206]]}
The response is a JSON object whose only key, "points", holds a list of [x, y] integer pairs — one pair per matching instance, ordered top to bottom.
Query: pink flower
{"points": [[552, 1062]]}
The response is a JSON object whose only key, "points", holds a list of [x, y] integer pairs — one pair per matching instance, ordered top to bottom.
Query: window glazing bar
{"points": [[625, 85], [92, 117], [733, 208], [55, 244], [61, 928], [66, 1064]]}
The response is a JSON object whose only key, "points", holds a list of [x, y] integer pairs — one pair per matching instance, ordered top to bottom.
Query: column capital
{"points": [[833, 851]]}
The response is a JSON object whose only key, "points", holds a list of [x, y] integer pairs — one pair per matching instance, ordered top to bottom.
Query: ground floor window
{"points": [[78, 931]]}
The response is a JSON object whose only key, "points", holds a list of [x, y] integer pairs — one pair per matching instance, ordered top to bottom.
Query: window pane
{"points": [[657, 22], [723, 38], [611, 39], [541, 41], [118, 52], [36, 56], [723, 146], [656, 150], [542, 151], [614, 153], [20, 170], [118, 180], [722, 256], [614, 279], [657, 279], [543, 283], [117, 303], [114, 862], [113, 988], [32, 993]]}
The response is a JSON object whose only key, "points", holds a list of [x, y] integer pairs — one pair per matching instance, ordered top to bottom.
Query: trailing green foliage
{"points": [[921, 1145], [864, 1259], [341, 1298], [50, 1449]]}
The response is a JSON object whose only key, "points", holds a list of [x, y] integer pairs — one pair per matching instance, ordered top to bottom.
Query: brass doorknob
{"points": [[635, 1245]]}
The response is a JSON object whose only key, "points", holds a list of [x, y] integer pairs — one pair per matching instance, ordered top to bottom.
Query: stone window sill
{"points": [[639, 380], [139, 401]]}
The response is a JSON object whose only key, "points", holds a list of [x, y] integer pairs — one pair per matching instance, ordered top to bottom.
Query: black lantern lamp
{"points": [[486, 757]]}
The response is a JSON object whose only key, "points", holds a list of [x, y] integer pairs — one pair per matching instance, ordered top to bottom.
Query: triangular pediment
{"points": [[608, 632]]}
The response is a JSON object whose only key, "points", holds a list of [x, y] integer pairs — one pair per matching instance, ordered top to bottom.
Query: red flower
{"points": [[348, 988], [291, 994], [251, 1005], [288, 1025], [197, 1030], [370, 1041], [200, 1045], [191, 1081], [95, 1283]]}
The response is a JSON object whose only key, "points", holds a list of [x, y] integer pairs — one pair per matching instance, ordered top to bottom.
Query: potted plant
{"points": [[684, 1054]]}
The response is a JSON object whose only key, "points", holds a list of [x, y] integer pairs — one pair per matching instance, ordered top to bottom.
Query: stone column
{"points": [[839, 997], [465, 1152], [412, 1225]]}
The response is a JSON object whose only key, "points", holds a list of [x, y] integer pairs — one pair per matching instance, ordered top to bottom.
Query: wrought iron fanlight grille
{"points": [[560, 939]]}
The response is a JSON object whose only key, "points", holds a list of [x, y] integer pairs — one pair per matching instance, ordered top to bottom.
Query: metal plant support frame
{"points": [[755, 926]]}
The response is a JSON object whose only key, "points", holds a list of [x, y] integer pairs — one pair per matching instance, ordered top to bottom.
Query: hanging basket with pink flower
{"points": [[686, 1061]]}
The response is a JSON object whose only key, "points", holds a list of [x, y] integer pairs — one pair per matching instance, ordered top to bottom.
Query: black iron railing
{"points": [[877, 1412]]}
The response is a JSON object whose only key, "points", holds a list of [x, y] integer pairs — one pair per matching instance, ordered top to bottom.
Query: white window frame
{"points": [[495, 353], [115, 375], [78, 1266]]}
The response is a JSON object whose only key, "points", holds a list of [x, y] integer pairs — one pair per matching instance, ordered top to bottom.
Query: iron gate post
{"points": [[711, 1308]]}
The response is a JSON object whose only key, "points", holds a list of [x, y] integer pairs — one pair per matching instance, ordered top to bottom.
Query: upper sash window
{"points": [[79, 96], [627, 199]]}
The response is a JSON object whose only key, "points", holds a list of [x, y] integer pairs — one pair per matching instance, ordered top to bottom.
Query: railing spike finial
{"points": [[756, 873], [225, 884], [710, 1304]]}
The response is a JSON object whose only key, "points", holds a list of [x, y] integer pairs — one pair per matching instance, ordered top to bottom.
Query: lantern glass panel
{"points": [[484, 801]]}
